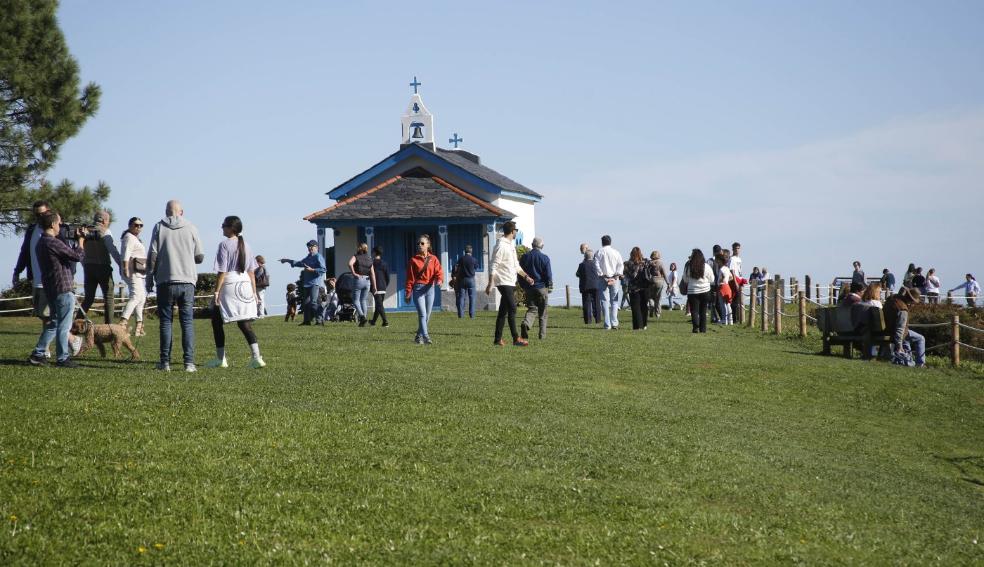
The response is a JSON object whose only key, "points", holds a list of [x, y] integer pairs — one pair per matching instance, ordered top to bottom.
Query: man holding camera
{"points": [[56, 262], [97, 267]]}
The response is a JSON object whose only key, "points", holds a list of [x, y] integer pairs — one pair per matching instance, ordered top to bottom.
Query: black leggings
{"points": [[639, 300], [378, 309], [507, 310], [698, 310], [219, 332]]}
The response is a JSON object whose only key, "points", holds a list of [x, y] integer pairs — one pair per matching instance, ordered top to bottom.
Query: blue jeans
{"points": [[464, 292], [182, 295], [611, 295], [360, 296], [423, 300], [309, 303], [57, 327], [918, 344]]}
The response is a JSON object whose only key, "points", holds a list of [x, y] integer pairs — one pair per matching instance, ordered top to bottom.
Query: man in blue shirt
{"points": [[536, 264], [313, 270], [464, 278], [888, 281]]}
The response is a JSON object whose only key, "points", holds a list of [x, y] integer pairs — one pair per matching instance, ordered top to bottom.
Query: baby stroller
{"points": [[346, 308]]}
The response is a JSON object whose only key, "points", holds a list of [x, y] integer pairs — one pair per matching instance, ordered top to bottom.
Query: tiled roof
{"points": [[486, 173], [408, 198]]}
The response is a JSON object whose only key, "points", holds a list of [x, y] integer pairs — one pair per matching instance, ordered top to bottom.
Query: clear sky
{"points": [[815, 133]]}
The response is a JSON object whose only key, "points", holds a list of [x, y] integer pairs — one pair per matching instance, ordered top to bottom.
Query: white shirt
{"points": [[132, 248], [608, 262], [505, 264], [735, 265], [725, 275], [932, 284], [697, 286]]}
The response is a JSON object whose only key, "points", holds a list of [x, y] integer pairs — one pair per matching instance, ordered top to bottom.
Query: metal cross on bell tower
{"points": [[415, 84], [455, 140]]}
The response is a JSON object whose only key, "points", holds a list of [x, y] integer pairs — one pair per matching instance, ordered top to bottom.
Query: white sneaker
{"points": [[76, 346], [256, 362], [216, 363], [190, 368]]}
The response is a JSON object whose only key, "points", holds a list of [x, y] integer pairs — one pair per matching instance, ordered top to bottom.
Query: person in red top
{"points": [[424, 274]]}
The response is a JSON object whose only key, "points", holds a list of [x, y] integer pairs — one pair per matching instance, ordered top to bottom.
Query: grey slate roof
{"points": [[486, 173], [407, 198]]}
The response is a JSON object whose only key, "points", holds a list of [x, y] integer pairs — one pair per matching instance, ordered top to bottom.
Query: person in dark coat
{"points": [[587, 284]]}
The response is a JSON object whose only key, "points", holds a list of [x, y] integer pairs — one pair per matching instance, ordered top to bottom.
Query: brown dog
{"points": [[93, 334]]}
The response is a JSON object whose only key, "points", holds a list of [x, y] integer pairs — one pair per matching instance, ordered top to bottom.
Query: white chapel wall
{"points": [[523, 210]]}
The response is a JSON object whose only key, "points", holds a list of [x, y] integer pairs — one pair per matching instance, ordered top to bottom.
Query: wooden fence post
{"points": [[807, 284], [567, 291], [752, 293], [818, 294], [830, 294], [949, 298], [765, 305], [802, 312], [777, 322], [955, 347]]}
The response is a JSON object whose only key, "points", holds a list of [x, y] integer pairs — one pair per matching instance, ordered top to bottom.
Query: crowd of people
{"points": [[50, 255], [605, 279], [607, 283]]}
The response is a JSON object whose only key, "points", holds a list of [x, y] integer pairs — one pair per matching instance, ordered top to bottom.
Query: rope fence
{"points": [[767, 301]]}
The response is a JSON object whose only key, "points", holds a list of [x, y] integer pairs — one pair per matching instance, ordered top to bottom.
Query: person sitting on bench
{"points": [[897, 324]]}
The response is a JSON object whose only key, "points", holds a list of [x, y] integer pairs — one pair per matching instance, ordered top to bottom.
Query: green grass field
{"points": [[357, 446]]}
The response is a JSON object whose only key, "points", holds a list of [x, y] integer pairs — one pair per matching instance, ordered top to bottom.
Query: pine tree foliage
{"points": [[41, 107]]}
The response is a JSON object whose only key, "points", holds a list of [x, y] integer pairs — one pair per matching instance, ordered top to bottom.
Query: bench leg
{"points": [[847, 350]]}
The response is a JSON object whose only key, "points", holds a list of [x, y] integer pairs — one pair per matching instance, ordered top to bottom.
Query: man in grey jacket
{"points": [[175, 248]]}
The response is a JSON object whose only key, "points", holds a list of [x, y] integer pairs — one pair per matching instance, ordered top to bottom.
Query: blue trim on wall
{"points": [[409, 222]]}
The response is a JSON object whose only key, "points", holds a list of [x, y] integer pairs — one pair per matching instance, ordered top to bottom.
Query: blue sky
{"points": [[815, 133]]}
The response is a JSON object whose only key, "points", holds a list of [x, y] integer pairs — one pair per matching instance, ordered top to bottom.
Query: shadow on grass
{"points": [[971, 468]]}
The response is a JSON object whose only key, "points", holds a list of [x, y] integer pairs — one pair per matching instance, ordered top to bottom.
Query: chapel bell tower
{"points": [[417, 122]]}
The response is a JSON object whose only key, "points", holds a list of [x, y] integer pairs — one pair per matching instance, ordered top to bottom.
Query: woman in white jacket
{"points": [[134, 268], [698, 276]]}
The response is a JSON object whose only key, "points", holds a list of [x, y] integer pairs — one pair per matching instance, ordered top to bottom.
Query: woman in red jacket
{"points": [[424, 274]]}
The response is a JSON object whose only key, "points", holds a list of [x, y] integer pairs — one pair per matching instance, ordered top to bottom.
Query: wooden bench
{"points": [[856, 325]]}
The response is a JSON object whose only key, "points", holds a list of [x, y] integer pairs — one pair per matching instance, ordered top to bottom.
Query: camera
{"points": [[71, 231]]}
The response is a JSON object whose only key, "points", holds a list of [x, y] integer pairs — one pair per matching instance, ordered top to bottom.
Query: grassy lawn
{"points": [[357, 446]]}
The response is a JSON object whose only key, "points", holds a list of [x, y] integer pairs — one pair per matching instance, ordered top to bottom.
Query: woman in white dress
{"points": [[134, 268], [235, 295]]}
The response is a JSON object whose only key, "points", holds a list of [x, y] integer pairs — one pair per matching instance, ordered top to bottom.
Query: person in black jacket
{"points": [[382, 282], [464, 282]]}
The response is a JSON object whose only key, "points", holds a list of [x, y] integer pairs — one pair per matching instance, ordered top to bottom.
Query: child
{"points": [[331, 300], [292, 301]]}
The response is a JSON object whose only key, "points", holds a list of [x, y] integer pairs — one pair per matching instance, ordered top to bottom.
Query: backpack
{"points": [[262, 279]]}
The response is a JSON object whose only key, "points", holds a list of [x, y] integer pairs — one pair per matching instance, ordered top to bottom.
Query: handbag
{"points": [[140, 265]]}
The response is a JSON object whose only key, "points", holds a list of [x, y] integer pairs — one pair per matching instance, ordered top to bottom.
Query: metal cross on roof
{"points": [[415, 84], [456, 140]]}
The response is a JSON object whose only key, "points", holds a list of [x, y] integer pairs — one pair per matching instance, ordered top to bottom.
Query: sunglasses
{"points": [[138, 225], [421, 244]]}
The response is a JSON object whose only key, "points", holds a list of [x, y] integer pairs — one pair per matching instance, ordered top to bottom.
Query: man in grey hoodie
{"points": [[175, 248]]}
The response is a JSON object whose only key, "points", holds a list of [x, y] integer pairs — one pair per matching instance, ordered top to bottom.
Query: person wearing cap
{"points": [[97, 267], [313, 270], [134, 274], [896, 314]]}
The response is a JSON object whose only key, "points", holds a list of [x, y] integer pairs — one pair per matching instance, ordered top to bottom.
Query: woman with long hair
{"points": [[361, 265], [134, 266], [424, 274], [698, 276], [638, 279], [672, 285], [235, 292], [871, 296]]}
